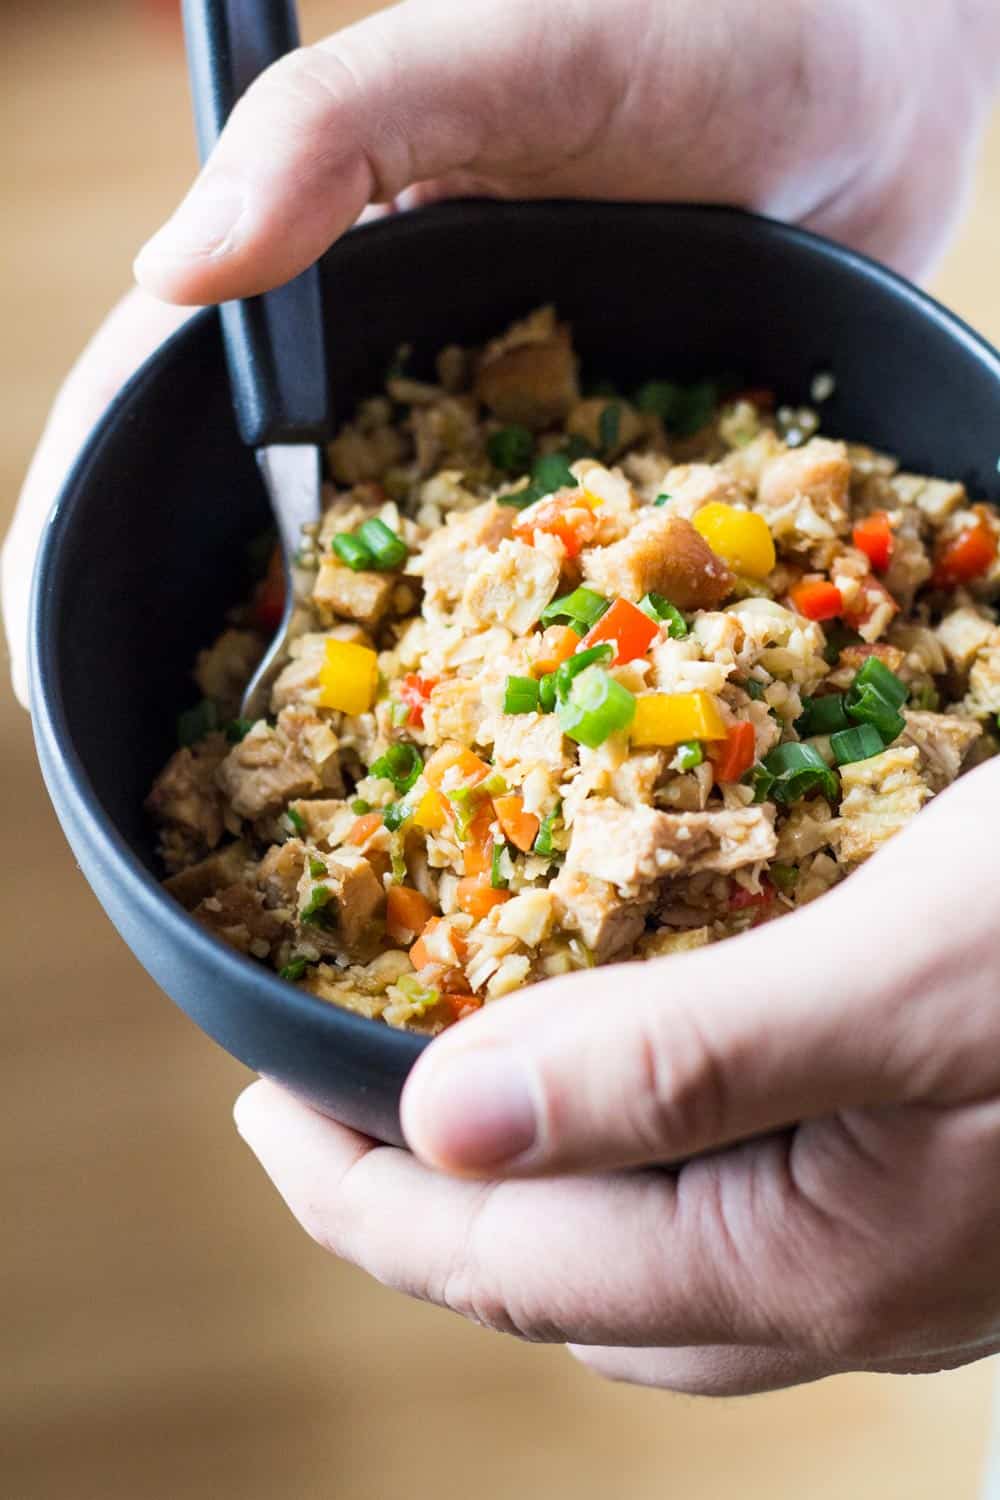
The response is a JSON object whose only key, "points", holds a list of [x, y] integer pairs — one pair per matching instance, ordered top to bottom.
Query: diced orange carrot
{"points": [[873, 536], [817, 599], [557, 643], [450, 755], [519, 826], [364, 827], [477, 852], [476, 897], [407, 912], [419, 956], [462, 1005]]}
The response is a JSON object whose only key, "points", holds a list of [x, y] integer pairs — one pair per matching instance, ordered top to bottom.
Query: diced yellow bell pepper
{"points": [[740, 537], [348, 678], [670, 718], [430, 812]]}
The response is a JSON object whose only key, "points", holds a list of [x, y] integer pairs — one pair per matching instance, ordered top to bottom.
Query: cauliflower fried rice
{"points": [[581, 679]]}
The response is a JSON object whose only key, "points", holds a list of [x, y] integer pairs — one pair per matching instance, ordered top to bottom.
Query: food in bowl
{"points": [[585, 678]]}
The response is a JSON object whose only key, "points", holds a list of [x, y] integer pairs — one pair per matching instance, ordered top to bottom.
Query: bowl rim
{"points": [[68, 782]]}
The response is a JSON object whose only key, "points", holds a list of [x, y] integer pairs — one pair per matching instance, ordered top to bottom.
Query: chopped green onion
{"points": [[683, 410], [609, 426], [576, 447], [510, 449], [552, 472], [662, 498], [387, 549], [352, 551], [581, 609], [661, 610], [839, 636], [579, 662], [876, 674], [754, 689], [547, 692], [520, 696], [925, 696], [866, 705], [595, 707], [399, 714], [823, 715], [195, 723], [238, 729], [859, 743], [688, 755], [401, 764], [796, 770], [761, 779], [493, 785], [464, 801], [359, 807], [395, 815], [296, 819], [543, 841], [397, 859], [317, 869], [784, 876], [497, 878], [315, 908], [294, 970], [422, 996]]}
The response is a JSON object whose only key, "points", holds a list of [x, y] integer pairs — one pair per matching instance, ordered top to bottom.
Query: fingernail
{"points": [[204, 225], [476, 1109]]}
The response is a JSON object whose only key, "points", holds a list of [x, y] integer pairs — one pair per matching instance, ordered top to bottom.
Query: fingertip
{"points": [[471, 1110]]}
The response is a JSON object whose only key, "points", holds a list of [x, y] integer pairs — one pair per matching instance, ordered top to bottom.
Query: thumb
{"points": [[408, 94], [866, 997]]}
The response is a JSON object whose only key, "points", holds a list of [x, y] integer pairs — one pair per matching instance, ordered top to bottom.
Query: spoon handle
{"points": [[274, 343]]}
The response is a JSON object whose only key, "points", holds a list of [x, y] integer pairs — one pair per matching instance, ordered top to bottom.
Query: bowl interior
{"points": [[149, 548]]}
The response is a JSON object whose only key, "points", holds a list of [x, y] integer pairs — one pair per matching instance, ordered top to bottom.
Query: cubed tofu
{"points": [[529, 375], [819, 471], [692, 486], [935, 499], [452, 551], [661, 554], [511, 587], [339, 592], [963, 633], [224, 669], [983, 697], [454, 711], [529, 740], [943, 740], [264, 771], [633, 782], [880, 796], [186, 803], [633, 846], [231, 865], [279, 873], [357, 898], [238, 916], [607, 922]]}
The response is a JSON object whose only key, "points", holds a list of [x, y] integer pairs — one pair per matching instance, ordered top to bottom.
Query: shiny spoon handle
{"points": [[274, 342]]}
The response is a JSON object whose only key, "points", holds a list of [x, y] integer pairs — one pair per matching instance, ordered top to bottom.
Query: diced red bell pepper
{"points": [[575, 532], [873, 536], [966, 556], [817, 599], [269, 600], [625, 627], [414, 691], [732, 757], [741, 899]]}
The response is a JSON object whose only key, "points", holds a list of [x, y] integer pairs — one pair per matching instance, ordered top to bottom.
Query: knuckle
{"points": [[678, 1097]]}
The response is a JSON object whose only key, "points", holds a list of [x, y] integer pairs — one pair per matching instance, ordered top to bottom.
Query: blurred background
{"points": [[167, 1329]]}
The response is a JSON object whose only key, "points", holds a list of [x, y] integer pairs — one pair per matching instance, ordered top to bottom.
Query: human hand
{"points": [[814, 110], [863, 1237]]}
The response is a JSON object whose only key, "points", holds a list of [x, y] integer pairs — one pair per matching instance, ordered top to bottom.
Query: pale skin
{"points": [[863, 1237]]}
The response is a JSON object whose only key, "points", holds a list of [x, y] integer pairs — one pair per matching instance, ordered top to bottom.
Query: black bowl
{"points": [[146, 547]]}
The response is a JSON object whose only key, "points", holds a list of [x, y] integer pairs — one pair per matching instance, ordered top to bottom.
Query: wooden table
{"points": [[168, 1331]]}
